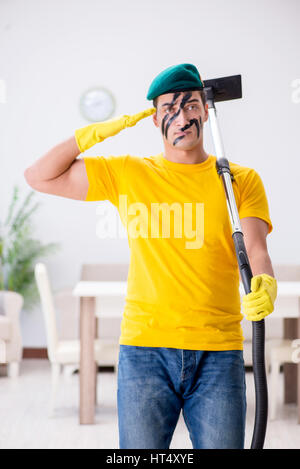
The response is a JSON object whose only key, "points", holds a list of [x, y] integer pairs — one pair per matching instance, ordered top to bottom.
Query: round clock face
{"points": [[97, 104]]}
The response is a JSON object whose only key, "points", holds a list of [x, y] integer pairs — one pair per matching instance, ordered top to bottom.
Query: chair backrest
{"points": [[106, 272], [287, 272], [11, 303], [48, 308]]}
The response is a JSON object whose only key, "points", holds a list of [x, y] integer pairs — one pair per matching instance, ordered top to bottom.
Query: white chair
{"points": [[108, 309], [10, 331], [62, 353]]}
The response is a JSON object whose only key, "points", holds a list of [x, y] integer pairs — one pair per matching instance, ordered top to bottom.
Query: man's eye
{"points": [[189, 107]]}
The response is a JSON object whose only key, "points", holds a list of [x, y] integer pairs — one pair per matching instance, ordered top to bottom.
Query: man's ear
{"points": [[205, 112], [154, 117]]}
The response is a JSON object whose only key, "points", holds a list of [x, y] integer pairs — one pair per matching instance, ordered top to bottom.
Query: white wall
{"points": [[51, 51]]}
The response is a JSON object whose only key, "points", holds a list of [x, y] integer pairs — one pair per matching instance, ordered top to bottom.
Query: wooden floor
{"points": [[25, 422]]}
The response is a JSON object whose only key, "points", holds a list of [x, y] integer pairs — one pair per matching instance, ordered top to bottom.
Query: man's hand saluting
{"points": [[88, 136]]}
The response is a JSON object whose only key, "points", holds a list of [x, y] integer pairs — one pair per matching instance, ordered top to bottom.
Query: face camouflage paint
{"points": [[184, 99], [166, 116], [197, 122], [187, 126]]}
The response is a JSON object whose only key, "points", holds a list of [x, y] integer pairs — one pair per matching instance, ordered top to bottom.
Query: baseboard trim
{"points": [[29, 352]]}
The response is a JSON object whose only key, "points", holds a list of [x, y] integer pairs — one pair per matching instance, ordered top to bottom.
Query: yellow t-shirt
{"points": [[183, 280]]}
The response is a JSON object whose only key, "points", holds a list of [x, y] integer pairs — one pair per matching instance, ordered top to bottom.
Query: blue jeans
{"points": [[155, 383]]}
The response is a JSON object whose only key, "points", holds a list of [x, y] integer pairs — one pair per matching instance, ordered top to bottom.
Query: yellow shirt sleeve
{"points": [[105, 176], [253, 199]]}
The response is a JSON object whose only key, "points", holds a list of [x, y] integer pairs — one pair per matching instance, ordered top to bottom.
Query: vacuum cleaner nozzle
{"points": [[224, 89]]}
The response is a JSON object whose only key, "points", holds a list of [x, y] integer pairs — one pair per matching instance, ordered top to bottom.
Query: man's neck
{"points": [[194, 156]]}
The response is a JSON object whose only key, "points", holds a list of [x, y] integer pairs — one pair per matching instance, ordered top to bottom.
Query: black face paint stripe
{"points": [[178, 93], [185, 98], [175, 115], [166, 116], [170, 121], [193, 121], [163, 124], [197, 124], [187, 126], [198, 128], [177, 139]]}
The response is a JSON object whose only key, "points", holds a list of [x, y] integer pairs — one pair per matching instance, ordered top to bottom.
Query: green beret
{"points": [[175, 78]]}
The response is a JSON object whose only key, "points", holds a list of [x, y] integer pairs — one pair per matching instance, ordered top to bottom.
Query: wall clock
{"points": [[97, 104]]}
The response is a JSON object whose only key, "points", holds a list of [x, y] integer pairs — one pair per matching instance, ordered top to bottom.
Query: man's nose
{"points": [[181, 119]]}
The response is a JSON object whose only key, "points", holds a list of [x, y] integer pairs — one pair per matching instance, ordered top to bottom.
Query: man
{"points": [[181, 341]]}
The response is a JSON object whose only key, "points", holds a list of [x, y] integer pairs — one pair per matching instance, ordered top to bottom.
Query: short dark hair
{"points": [[202, 94]]}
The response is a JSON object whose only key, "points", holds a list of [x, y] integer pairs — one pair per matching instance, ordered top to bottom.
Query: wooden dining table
{"points": [[88, 291], [287, 307]]}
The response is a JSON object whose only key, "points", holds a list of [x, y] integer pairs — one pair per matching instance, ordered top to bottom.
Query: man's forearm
{"points": [[59, 159], [55, 162], [260, 263]]}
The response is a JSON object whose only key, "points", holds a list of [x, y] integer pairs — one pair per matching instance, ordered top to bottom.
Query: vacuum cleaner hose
{"points": [[223, 89], [258, 350], [261, 389]]}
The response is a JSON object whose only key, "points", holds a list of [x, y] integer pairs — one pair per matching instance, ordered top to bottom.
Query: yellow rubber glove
{"points": [[88, 136], [260, 301]]}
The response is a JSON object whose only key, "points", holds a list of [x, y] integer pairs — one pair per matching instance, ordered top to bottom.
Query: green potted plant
{"points": [[19, 251]]}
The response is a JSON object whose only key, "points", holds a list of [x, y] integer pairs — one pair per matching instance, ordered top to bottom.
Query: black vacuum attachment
{"points": [[225, 88]]}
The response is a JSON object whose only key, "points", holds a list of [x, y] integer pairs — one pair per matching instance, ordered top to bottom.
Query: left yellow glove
{"points": [[88, 136], [259, 303]]}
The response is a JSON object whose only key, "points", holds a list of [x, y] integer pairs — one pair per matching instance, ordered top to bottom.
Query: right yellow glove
{"points": [[88, 136]]}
